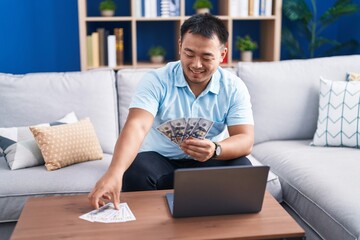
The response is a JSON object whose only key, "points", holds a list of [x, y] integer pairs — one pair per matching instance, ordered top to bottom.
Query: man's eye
{"points": [[189, 56]]}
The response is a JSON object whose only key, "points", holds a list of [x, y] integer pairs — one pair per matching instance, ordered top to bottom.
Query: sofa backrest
{"points": [[126, 82], [285, 94], [46, 97]]}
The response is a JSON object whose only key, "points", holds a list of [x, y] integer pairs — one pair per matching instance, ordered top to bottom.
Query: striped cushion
{"points": [[339, 114]]}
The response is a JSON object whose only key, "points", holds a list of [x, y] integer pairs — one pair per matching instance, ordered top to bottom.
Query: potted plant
{"points": [[202, 6], [107, 8], [246, 46], [157, 54]]}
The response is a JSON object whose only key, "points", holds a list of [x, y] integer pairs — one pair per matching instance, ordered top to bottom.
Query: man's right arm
{"points": [[137, 125]]}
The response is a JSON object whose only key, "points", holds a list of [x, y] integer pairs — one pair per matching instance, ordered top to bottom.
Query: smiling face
{"points": [[200, 57]]}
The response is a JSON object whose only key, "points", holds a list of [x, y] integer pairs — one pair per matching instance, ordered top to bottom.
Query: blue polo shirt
{"points": [[165, 93]]}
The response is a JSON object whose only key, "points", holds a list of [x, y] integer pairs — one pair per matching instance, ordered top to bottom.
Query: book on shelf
{"points": [[174, 7], [266, 7], [138, 8], [150, 8], [157, 8], [165, 8], [239, 8], [243, 8], [254, 8], [101, 32], [106, 34], [119, 37], [111, 42], [95, 49], [89, 57]]}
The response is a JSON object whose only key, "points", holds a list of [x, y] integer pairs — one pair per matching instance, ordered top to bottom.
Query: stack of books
{"points": [[157, 8], [245, 8], [104, 49]]}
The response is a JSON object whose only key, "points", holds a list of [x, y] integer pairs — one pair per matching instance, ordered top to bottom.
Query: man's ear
{"points": [[179, 43], [223, 53]]}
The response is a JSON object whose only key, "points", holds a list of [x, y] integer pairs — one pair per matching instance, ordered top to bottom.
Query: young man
{"points": [[194, 87]]}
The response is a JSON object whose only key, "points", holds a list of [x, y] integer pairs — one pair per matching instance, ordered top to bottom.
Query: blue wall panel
{"points": [[43, 35], [39, 36]]}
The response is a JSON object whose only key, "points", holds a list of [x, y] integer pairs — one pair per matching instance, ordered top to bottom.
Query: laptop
{"points": [[217, 191]]}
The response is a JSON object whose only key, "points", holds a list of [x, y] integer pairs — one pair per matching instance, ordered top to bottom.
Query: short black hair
{"points": [[206, 25]]}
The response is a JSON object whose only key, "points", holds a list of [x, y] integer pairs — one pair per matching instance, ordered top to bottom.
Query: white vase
{"points": [[202, 10], [107, 13], [246, 56], [157, 59]]}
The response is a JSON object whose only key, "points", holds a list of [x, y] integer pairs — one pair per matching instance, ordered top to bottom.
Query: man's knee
{"points": [[145, 171], [136, 176]]}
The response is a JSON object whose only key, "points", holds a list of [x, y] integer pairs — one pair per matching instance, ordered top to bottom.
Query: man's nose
{"points": [[197, 63]]}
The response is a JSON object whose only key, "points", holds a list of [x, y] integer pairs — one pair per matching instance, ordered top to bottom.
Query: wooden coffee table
{"points": [[58, 218]]}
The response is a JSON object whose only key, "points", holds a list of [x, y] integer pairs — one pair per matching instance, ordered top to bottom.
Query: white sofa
{"points": [[285, 102], [320, 185]]}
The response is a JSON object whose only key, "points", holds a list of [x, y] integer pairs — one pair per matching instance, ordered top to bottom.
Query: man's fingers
{"points": [[106, 196], [95, 199], [116, 199]]}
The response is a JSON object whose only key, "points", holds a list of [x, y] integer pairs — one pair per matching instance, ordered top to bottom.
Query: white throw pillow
{"points": [[339, 114], [19, 147]]}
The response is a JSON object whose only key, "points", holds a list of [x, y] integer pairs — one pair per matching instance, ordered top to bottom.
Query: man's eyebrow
{"points": [[205, 54]]}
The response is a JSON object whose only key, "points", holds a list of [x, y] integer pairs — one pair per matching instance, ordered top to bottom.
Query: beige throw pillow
{"points": [[68, 144]]}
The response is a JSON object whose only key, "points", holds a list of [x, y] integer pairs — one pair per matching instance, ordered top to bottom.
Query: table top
{"points": [[58, 218]]}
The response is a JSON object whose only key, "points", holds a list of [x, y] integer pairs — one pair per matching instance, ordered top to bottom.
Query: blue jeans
{"points": [[152, 171]]}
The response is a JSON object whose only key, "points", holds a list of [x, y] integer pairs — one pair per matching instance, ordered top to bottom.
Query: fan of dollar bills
{"points": [[183, 128]]}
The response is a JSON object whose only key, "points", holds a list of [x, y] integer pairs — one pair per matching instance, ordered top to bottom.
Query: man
{"points": [[194, 87]]}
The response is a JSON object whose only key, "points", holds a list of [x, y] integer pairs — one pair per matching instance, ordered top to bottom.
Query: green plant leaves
{"points": [[308, 28]]}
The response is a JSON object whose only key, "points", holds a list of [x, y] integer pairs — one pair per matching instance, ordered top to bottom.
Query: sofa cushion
{"points": [[126, 82], [285, 94], [42, 97], [339, 114], [64, 145], [19, 146], [37, 182], [320, 184]]}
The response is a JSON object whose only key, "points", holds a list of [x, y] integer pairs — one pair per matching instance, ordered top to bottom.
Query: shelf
{"points": [[138, 34]]}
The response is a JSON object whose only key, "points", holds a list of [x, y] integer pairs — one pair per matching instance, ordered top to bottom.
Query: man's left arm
{"points": [[239, 143]]}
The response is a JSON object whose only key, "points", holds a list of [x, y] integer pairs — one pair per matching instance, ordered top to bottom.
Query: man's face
{"points": [[200, 57]]}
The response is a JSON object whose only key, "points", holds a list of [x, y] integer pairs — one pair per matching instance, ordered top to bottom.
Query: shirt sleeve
{"points": [[148, 93], [240, 111]]}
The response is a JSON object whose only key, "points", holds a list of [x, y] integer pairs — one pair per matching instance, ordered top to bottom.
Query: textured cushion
{"points": [[351, 76], [285, 94], [34, 98], [339, 114], [64, 145], [19, 146], [321, 184]]}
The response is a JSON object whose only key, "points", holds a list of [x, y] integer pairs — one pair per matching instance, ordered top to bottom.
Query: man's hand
{"points": [[199, 149], [107, 189]]}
